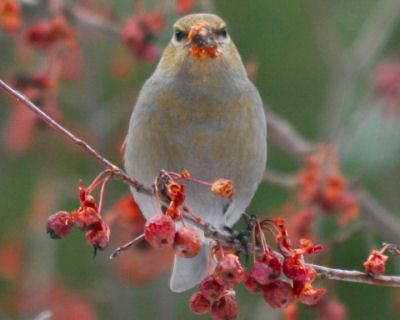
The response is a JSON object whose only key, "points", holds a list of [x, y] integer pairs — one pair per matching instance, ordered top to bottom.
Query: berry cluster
{"points": [[139, 31], [46, 34], [323, 185], [86, 218], [160, 231], [294, 267], [263, 277], [216, 290]]}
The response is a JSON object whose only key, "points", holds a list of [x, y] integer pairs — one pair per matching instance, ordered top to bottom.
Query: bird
{"points": [[200, 112]]}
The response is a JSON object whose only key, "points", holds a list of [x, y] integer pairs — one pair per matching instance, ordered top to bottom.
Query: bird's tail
{"points": [[188, 272]]}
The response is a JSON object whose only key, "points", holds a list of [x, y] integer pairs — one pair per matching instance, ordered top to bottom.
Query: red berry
{"points": [[184, 6], [89, 202], [86, 218], [59, 225], [159, 231], [99, 237], [187, 242], [276, 266], [294, 268], [229, 271], [262, 273], [252, 285], [210, 288], [279, 294], [309, 295], [199, 303], [225, 308]]}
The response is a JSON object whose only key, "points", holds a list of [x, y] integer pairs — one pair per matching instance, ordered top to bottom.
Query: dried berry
{"points": [[139, 31], [223, 188], [86, 218], [59, 225], [159, 231], [99, 237], [187, 242], [375, 265], [294, 268], [229, 271], [262, 273], [252, 285], [210, 288], [279, 294], [310, 296], [199, 303], [225, 308]]}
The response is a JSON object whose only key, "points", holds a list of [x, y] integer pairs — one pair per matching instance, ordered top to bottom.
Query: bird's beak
{"points": [[202, 42]]}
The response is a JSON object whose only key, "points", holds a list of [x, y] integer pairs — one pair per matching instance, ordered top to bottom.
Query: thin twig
{"points": [[95, 21], [374, 35], [284, 136], [116, 171], [280, 179], [379, 217], [126, 246], [355, 276]]}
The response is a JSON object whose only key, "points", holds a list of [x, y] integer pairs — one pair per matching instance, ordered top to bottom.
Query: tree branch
{"points": [[116, 171], [355, 276]]}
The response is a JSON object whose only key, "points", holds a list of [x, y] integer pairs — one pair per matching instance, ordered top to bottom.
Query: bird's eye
{"points": [[223, 32], [179, 35]]}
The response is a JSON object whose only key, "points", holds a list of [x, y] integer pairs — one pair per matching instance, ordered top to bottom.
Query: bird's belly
{"points": [[225, 147]]}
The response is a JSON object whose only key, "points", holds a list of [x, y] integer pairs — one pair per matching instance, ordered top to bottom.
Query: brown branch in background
{"points": [[93, 20], [373, 36], [285, 137], [116, 171], [280, 179], [210, 231]]}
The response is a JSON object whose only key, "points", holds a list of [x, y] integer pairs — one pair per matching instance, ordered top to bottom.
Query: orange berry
{"points": [[59, 225], [159, 231], [187, 242], [229, 271], [199, 304]]}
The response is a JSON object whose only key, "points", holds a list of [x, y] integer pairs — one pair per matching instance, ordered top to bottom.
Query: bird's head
{"points": [[200, 41]]}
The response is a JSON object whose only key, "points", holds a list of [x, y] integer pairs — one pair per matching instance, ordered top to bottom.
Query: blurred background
{"points": [[330, 68]]}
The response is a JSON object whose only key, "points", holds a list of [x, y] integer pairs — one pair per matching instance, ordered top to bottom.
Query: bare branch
{"points": [[283, 134], [116, 171], [280, 179], [355, 276]]}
